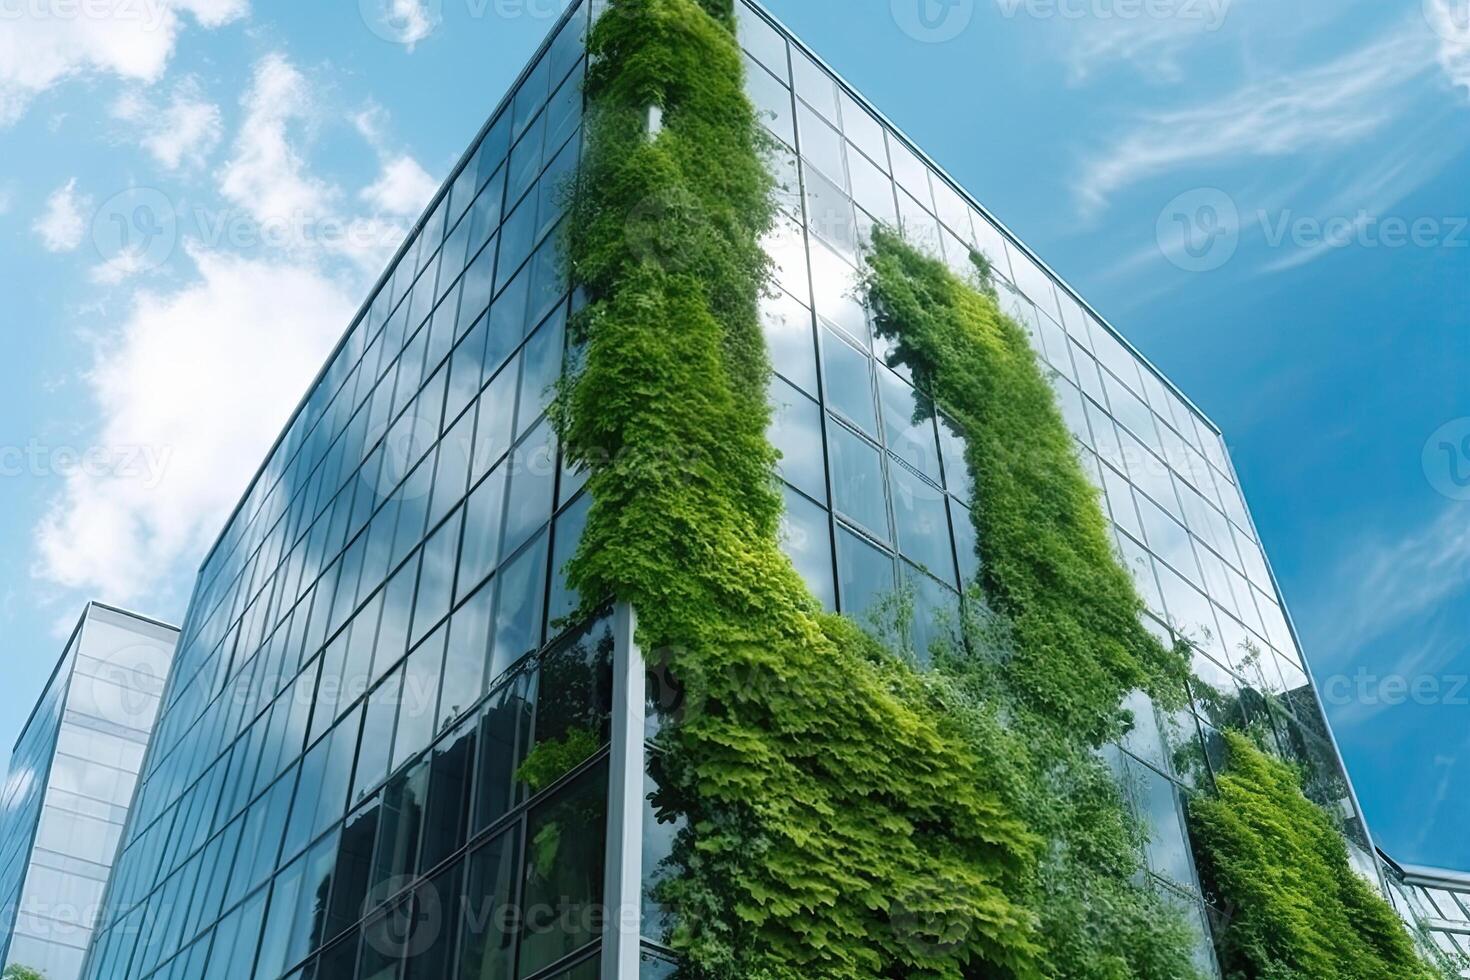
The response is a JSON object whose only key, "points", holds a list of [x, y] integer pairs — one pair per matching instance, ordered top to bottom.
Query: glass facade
{"points": [[376, 640], [72, 777], [1436, 906]]}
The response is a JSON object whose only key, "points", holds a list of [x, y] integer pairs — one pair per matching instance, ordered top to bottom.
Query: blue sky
{"points": [[1268, 198]]}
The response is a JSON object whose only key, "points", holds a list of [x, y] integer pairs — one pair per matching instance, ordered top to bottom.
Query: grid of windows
{"points": [[876, 502], [368, 616], [343, 716], [71, 782], [1436, 905]]}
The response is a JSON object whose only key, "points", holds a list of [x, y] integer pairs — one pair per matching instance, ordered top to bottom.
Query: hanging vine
{"points": [[844, 815]]}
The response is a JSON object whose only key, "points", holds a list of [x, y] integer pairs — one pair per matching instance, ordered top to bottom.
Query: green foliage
{"points": [[1041, 536], [1047, 561], [549, 761], [841, 824], [1299, 911], [18, 972]]}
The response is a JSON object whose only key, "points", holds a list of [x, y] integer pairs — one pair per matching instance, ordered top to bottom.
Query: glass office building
{"points": [[376, 641], [72, 776], [1435, 904]]}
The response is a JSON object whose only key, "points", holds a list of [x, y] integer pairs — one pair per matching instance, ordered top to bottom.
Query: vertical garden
{"points": [[845, 814]]}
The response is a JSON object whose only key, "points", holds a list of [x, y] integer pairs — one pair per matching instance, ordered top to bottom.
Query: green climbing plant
{"points": [[843, 814], [1278, 863]]}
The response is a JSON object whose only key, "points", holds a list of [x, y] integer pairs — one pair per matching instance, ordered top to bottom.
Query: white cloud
{"points": [[1448, 20], [405, 21], [48, 43], [1332, 105], [183, 132], [267, 176], [403, 188], [63, 224], [128, 262], [172, 389]]}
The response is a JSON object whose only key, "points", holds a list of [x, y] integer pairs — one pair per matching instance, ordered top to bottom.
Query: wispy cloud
{"points": [[1152, 46], [1328, 106], [181, 133], [62, 225], [1384, 583]]}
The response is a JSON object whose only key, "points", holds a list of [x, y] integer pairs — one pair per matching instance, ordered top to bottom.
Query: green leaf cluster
{"points": [[845, 815], [1277, 863]]}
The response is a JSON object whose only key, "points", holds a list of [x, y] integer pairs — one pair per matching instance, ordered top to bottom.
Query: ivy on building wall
{"points": [[845, 815], [1277, 862]]}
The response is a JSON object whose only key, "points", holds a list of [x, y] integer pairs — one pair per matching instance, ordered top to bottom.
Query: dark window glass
{"points": [[857, 480], [567, 536], [397, 608], [505, 733], [447, 819], [566, 837], [397, 849], [354, 868], [433, 929], [488, 944]]}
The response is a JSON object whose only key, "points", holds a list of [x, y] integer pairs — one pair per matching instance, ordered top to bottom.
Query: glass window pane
{"points": [[789, 338], [849, 382], [796, 432], [857, 480], [923, 523], [806, 537], [864, 574], [566, 837], [488, 945]]}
